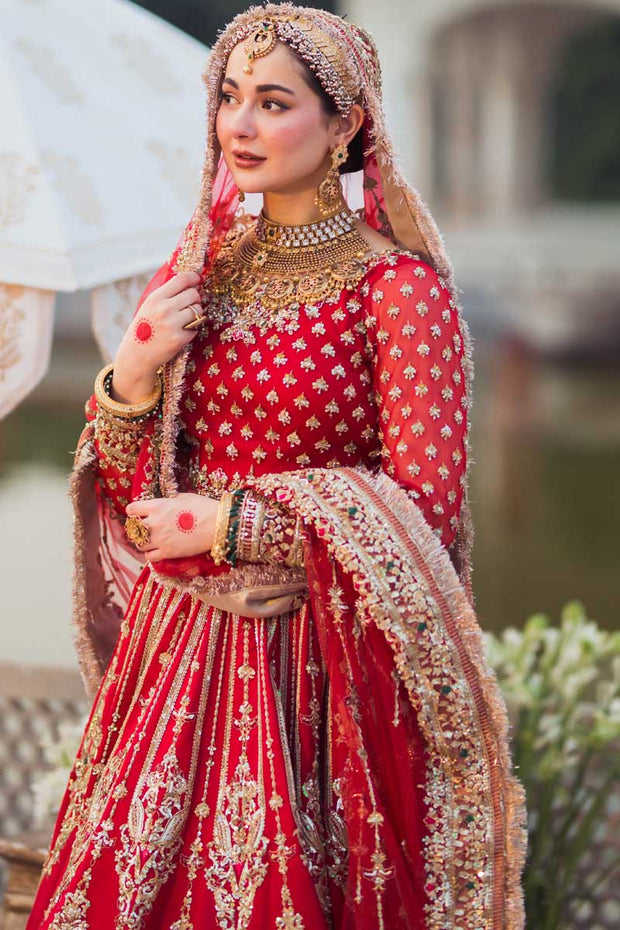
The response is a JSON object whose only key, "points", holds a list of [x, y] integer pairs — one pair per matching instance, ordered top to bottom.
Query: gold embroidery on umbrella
{"points": [[20, 179], [11, 318]]}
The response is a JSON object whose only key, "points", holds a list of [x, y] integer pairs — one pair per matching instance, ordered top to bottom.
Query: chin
{"points": [[249, 185]]}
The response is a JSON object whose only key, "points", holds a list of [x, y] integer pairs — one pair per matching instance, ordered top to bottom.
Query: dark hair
{"points": [[356, 147]]}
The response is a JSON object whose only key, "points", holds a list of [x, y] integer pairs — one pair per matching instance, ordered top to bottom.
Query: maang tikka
{"points": [[259, 43], [329, 194]]}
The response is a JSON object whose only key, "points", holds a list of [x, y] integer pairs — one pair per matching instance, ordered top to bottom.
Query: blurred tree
{"points": [[203, 18], [585, 158]]}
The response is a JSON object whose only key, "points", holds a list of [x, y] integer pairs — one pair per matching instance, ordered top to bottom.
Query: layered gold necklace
{"points": [[280, 265]]}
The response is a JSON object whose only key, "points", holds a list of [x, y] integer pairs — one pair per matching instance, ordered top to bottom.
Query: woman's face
{"points": [[275, 117]]}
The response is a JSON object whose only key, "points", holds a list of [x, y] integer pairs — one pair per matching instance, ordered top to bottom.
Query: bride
{"points": [[293, 725]]}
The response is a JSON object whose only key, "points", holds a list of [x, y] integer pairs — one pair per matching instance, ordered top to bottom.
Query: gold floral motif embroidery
{"points": [[119, 440], [150, 841], [338, 848], [238, 849], [195, 861], [74, 909], [289, 918]]}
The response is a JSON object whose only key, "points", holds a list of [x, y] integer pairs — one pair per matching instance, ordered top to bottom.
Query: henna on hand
{"points": [[143, 331], [186, 521]]}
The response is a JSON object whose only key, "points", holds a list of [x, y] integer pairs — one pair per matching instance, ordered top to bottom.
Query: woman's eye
{"points": [[226, 98], [274, 105]]}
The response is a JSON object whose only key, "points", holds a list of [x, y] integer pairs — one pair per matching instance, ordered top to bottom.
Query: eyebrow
{"points": [[262, 88]]}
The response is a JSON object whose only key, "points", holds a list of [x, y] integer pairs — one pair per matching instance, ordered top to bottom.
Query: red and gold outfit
{"points": [[342, 764]]}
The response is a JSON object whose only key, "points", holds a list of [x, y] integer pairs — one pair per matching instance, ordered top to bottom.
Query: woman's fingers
{"points": [[179, 282], [185, 299], [191, 315], [142, 508]]}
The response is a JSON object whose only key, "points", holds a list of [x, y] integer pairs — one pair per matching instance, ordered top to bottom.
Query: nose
{"points": [[243, 124]]}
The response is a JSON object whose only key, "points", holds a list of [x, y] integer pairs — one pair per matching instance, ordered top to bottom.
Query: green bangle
{"points": [[233, 525]]}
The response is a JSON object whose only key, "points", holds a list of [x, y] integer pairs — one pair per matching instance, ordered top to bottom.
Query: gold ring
{"points": [[199, 318], [137, 532]]}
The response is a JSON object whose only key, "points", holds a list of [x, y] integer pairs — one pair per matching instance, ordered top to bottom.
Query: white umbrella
{"points": [[101, 109]]}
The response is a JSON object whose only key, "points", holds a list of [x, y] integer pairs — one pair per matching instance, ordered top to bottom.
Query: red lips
{"points": [[243, 153], [245, 159]]}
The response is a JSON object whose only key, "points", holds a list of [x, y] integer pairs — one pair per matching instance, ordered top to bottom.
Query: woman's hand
{"points": [[155, 335], [178, 526]]}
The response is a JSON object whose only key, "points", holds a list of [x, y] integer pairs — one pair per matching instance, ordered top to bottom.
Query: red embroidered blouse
{"points": [[371, 377]]}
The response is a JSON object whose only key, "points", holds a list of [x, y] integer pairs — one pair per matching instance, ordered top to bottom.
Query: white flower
{"points": [[49, 787]]}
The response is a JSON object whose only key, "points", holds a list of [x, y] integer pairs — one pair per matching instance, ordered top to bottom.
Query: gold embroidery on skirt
{"points": [[152, 837], [238, 848]]}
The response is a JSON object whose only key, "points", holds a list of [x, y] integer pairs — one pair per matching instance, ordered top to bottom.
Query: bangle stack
{"points": [[133, 412], [119, 428], [234, 518], [250, 527], [249, 530], [224, 548], [219, 549]]}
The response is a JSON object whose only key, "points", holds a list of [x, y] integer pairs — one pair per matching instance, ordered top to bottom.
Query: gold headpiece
{"points": [[259, 43], [324, 43]]}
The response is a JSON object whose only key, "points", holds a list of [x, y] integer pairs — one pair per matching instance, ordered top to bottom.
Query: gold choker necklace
{"points": [[279, 265]]}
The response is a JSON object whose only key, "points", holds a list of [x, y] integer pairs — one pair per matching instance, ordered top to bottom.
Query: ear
{"points": [[347, 126]]}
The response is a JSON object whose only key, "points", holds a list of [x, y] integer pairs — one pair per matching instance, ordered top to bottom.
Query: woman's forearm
{"points": [[129, 384]]}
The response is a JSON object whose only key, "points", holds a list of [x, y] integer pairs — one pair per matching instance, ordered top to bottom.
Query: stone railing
{"points": [[33, 702]]}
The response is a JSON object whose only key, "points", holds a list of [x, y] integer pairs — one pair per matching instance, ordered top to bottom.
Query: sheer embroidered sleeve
{"points": [[419, 382], [122, 455]]}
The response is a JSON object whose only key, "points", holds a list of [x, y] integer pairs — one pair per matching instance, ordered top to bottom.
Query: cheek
{"points": [[218, 126], [222, 130], [297, 134]]}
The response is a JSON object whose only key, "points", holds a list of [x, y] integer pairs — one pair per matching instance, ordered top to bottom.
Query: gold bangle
{"points": [[124, 411], [250, 528], [218, 549], [296, 555]]}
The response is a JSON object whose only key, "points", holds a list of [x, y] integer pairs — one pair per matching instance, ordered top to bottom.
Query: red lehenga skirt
{"points": [[340, 766]]}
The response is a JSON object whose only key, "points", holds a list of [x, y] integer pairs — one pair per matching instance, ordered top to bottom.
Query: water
{"points": [[545, 487], [545, 491]]}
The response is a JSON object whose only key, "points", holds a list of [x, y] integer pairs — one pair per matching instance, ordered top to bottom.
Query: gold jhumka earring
{"points": [[329, 194], [241, 196]]}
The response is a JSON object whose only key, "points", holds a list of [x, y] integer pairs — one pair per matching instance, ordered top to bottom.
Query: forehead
{"points": [[278, 67]]}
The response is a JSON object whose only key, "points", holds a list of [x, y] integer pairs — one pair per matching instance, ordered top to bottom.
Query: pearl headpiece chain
{"points": [[323, 42]]}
